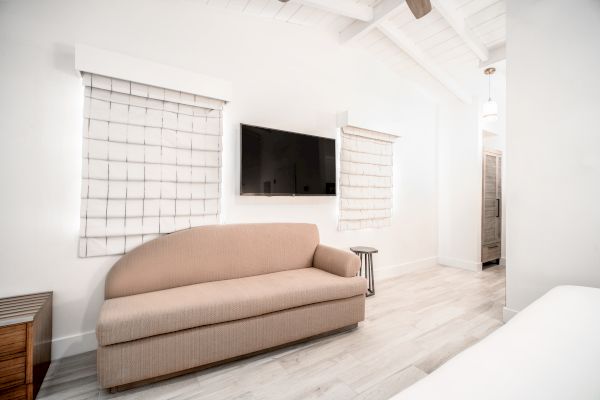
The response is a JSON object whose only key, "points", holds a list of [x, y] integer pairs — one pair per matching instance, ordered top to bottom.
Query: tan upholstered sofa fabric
{"points": [[212, 253], [336, 261], [212, 293], [133, 317], [164, 354]]}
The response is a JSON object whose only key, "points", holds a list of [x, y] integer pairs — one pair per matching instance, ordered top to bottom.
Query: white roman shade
{"points": [[151, 163], [365, 179]]}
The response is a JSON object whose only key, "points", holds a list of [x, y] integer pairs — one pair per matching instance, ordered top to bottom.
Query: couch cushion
{"points": [[133, 317]]}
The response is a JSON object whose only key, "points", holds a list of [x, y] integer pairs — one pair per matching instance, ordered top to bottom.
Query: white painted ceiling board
{"points": [[217, 3], [371, 3], [237, 5], [256, 7], [471, 7], [349, 8], [271, 9], [287, 11], [486, 14], [305, 15], [402, 17], [333, 22], [342, 23], [491, 25], [425, 27], [493, 37], [370, 39], [438, 39], [445, 46], [453, 53], [465, 63]]}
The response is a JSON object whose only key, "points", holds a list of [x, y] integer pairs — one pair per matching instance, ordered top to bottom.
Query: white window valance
{"points": [[151, 163], [365, 179]]}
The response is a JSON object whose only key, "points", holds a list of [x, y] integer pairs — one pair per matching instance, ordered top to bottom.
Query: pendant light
{"points": [[490, 107]]}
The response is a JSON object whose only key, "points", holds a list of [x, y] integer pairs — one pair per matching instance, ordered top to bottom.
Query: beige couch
{"points": [[201, 296]]}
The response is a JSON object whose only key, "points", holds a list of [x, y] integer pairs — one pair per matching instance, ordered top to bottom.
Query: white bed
{"points": [[550, 350]]}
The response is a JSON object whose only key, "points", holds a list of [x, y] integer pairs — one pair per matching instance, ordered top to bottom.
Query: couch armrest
{"points": [[336, 261]]}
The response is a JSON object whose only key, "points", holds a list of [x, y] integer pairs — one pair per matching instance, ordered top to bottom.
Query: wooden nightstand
{"points": [[25, 344]]}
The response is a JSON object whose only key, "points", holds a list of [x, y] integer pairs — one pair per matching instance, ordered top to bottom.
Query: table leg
{"points": [[361, 264], [371, 278]]}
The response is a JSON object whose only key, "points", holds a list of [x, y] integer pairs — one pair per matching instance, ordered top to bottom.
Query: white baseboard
{"points": [[502, 262], [458, 263], [399, 269], [508, 313], [74, 344]]}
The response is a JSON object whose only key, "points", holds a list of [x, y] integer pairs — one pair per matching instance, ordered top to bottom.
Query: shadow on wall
{"points": [[64, 59], [92, 297]]}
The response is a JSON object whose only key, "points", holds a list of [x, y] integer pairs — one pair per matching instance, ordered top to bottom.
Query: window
{"points": [[151, 163], [365, 179]]}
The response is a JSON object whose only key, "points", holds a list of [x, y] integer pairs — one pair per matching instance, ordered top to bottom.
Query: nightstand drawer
{"points": [[13, 339], [25, 344], [12, 372], [15, 393]]}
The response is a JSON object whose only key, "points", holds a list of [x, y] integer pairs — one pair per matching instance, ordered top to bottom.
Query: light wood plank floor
{"points": [[415, 322]]}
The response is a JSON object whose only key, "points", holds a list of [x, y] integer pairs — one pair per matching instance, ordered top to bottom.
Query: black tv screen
{"points": [[279, 163]]}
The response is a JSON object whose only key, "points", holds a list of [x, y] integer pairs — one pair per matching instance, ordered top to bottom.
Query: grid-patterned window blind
{"points": [[151, 163], [365, 179]]}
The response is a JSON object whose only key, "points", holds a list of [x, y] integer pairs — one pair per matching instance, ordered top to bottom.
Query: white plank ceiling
{"points": [[446, 46]]}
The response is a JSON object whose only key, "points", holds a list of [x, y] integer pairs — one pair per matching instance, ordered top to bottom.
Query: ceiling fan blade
{"points": [[419, 8]]}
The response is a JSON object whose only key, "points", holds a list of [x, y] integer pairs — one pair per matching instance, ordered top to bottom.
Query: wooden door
{"points": [[491, 226]]}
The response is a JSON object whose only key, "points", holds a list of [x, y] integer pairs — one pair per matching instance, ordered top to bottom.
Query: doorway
{"points": [[492, 214]]}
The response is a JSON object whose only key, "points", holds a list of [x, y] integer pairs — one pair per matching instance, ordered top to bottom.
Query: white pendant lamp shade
{"points": [[490, 107], [490, 111]]}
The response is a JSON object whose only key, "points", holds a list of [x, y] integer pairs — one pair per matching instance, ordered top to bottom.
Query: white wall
{"points": [[284, 76], [461, 141], [553, 143], [459, 174]]}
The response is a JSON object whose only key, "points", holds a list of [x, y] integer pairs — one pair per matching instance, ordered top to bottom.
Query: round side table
{"points": [[366, 260]]}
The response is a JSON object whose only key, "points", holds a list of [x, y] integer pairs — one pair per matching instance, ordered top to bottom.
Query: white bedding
{"points": [[550, 350]]}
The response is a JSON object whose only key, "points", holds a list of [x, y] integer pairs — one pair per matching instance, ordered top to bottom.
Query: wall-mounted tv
{"points": [[281, 163]]}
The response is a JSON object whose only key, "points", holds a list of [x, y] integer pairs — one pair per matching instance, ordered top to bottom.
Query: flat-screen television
{"points": [[281, 163]]}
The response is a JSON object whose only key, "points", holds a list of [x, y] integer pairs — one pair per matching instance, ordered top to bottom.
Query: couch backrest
{"points": [[212, 253]]}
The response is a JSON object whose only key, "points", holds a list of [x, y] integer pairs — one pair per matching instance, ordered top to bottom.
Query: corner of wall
{"points": [[458, 263], [508, 313], [71, 345]]}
